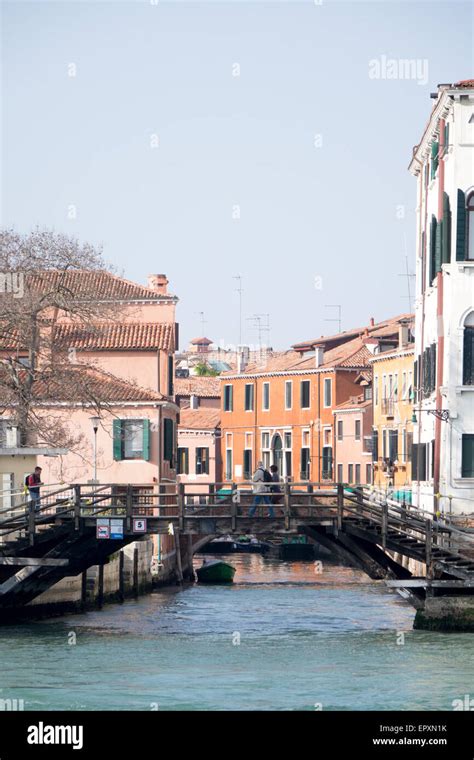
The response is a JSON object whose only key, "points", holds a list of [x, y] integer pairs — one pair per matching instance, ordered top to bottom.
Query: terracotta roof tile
{"points": [[97, 284], [380, 329], [110, 336], [75, 383], [205, 387], [354, 402], [200, 419]]}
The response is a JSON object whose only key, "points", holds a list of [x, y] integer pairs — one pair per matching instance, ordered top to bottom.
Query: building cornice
{"points": [[392, 355], [293, 372]]}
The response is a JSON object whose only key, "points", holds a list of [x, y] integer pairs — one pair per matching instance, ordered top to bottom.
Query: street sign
{"points": [[139, 525], [103, 527], [116, 529]]}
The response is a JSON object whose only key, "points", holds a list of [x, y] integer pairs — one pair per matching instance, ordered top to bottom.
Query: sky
{"points": [[217, 139]]}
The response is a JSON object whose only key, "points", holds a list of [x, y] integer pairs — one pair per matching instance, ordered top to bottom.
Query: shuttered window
{"points": [[434, 158], [433, 227], [461, 227], [470, 228], [170, 375], [249, 392], [305, 394], [228, 398], [168, 440], [375, 445], [393, 445], [183, 461], [202, 461], [419, 461], [327, 463], [247, 464], [467, 466]]}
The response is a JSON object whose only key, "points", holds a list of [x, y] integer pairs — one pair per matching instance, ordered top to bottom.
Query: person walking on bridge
{"points": [[261, 476], [33, 483]]}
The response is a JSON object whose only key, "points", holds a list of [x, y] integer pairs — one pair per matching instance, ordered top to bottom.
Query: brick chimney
{"points": [[158, 282], [372, 321]]}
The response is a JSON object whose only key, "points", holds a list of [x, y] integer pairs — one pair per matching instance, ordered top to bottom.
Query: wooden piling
{"points": [[179, 567], [135, 571], [121, 576], [83, 589], [100, 594]]}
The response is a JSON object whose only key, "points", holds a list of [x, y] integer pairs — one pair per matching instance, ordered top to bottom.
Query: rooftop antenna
{"points": [[407, 273], [239, 291], [337, 319], [203, 321], [262, 323]]}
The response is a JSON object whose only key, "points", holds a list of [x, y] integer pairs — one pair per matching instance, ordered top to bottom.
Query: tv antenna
{"points": [[239, 291], [337, 319]]}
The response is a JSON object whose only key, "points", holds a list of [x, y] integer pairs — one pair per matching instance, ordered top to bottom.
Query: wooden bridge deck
{"points": [[62, 537]]}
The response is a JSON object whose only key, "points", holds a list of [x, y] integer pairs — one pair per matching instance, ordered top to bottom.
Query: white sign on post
{"points": [[103, 527]]}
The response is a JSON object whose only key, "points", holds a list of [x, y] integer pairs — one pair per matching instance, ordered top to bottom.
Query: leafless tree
{"points": [[40, 286]]}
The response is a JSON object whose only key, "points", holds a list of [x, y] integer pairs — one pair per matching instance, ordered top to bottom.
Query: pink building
{"points": [[353, 436]]}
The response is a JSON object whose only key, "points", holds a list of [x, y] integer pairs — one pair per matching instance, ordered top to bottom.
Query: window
{"points": [[470, 227], [468, 351], [376, 385], [395, 386], [305, 388], [327, 392], [367, 392], [249, 393], [288, 394], [266, 396], [410, 396], [228, 398], [194, 402], [340, 430], [357, 430], [8, 434], [327, 436], [287, 438], [305, 438], [131, 439], [168, 440], [228, 440], [249, 440], [265, 440], [384, 443], [375, 445], [393, 445], [404, 446], [266, 449], [183, 461], [202, 461], [305, 463], [327, 463], [228, 464], [247, 464], [288, 464], [467, 465], [419, 468], [340, 473], [350, 473], [357, 474], [368, 474]]}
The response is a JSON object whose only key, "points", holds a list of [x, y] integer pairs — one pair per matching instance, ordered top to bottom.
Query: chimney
{"points": [[158, 282], [372, 321], [402, 334], [243, 356], [318, 356]]}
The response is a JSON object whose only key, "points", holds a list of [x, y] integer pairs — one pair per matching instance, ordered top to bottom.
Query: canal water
{"points": [[282, 637]]}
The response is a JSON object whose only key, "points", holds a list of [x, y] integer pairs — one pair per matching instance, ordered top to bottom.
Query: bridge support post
{"points": [[286, 502], [181, 505], [340, 505], [77, 507], [233, 507], [129, 508], [31, 522], [384, 524], [429, 546], [135, 571], [121, 575], [100, 595]]}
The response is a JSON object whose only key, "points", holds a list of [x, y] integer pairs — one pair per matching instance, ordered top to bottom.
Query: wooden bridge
{"points": [[79, 526]]}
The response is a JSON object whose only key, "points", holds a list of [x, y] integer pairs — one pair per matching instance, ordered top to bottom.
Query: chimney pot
{"points": [[158, 282], [372, 321]]}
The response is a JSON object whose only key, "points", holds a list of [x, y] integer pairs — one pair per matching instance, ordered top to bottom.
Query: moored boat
{"points": [[215, 571]]}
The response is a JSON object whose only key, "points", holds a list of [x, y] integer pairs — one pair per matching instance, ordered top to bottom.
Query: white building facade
{"points": [[443, 162]]}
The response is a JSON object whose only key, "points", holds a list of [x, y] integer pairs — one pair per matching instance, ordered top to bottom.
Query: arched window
{"points": [[470, 227], [468, 349]]}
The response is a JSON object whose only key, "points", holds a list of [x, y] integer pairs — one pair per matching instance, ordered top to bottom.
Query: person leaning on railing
{"points": [[33, 484]]}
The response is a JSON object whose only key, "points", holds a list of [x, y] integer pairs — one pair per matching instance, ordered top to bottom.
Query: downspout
{"points": [[440, 330], [319, 427]]}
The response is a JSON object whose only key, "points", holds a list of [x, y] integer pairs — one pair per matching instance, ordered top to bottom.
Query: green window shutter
{"points": [[446, 137], [434, 159], [433, 227], [461, 227], [446, 242], [439, 246], [468, 356], [117, 440], [146, 440], [168, 443]]}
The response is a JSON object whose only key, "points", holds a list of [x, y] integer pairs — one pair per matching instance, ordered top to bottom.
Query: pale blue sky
{"points": [[166, 69]]}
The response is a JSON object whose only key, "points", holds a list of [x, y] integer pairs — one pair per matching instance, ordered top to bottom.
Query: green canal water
{"points": [[282, 638]]}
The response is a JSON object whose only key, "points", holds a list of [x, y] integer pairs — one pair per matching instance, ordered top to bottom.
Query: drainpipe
{"points": [[440, 330], [319, 427]]}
